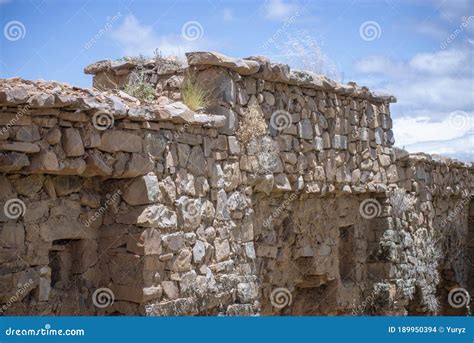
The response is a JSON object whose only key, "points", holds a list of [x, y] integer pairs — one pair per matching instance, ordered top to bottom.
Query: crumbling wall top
{"points": [[256, 66], [37, 95]]}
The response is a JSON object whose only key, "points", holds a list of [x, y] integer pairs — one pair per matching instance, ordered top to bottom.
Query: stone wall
{"points": [[167, 211]]}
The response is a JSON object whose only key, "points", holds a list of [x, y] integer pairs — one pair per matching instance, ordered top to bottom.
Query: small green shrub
{"points": [[139, 87]]}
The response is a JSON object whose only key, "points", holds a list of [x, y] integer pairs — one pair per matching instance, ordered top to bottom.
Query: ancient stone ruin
{"points": [[283, 196]]}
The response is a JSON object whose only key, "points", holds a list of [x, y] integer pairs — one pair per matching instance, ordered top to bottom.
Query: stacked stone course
{"points": [[170, 212]]}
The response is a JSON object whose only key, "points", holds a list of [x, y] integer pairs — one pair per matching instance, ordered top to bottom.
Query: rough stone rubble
{"points": [[166, 212]]}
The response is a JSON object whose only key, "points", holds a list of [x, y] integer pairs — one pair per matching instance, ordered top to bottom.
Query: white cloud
{"points": [[279, 9], [454, 9], [431, 29], [136, 38], [441, 62], [375, 64], [439, 82], [429, 87], [433, 93], [410, 130], [446, 137], [461, 148]]}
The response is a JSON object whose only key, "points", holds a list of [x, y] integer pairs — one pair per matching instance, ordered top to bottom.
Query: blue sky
{"points": [[419, 50]]}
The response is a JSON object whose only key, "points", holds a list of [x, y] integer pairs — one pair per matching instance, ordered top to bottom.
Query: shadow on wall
{"points": [[313, 257]]}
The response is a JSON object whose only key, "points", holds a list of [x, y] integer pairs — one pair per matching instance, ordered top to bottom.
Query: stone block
{"points": [[114, 141], [72, 142], [142, 190]]}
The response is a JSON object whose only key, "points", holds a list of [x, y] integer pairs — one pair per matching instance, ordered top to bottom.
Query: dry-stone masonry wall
{"points": [[113, 205]]}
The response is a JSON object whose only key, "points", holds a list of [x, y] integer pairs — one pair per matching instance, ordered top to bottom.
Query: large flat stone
{"points": [[243, 67], [114, 141], [29, 148]]}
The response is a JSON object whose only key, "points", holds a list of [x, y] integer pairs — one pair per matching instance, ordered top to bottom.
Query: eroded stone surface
{"points": [[171, 212]]}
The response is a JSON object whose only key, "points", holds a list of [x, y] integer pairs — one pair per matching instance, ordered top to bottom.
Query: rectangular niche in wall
{"points": [[61, 258], [347, 262]]}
